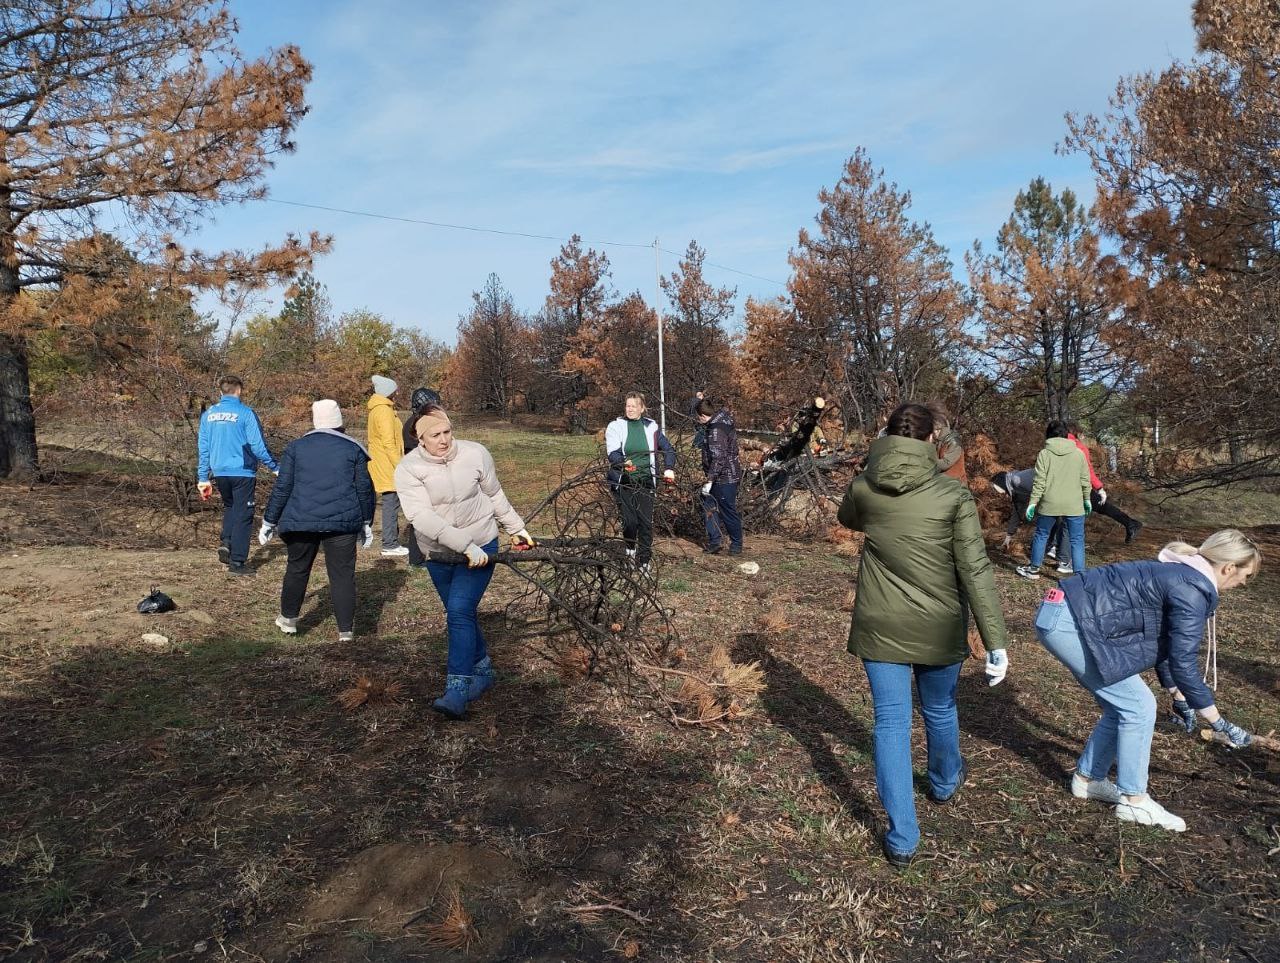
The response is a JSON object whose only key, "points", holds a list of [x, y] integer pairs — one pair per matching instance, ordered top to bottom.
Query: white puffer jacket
{"points": [[455, 501]]}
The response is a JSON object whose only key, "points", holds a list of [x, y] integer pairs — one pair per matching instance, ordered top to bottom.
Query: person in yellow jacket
{"points": [[386, 448]]}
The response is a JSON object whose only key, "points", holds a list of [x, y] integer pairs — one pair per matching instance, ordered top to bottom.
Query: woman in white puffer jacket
{"points": [[450, 493]]}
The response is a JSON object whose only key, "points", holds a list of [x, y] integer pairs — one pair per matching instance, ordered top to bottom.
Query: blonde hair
{"points": [[638, 396], [1228, 546]]}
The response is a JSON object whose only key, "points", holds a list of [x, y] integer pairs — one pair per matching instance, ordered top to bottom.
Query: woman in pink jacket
{"points": [[450, 493]]}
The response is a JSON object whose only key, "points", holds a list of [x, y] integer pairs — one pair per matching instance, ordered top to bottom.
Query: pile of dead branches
{"points": [[588, 610]]}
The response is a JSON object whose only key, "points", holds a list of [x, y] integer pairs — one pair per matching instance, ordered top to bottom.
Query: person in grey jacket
{"points": [[1017, 486], [1114, 622]]}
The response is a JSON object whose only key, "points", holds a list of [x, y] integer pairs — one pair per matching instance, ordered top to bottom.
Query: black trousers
{"points": [[237, 496], [635, 503], [1107, 509], [415, 551], [339, 561]]}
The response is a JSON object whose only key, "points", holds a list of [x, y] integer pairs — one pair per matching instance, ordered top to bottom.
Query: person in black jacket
{"points": [[419, 402], [723, 468], [323, 497], [1111, 623]]}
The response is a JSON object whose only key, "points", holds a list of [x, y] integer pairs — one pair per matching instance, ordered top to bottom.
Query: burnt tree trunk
{"points": [[18, 455]]}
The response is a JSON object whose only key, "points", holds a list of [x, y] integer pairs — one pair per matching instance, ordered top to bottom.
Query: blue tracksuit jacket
{"points": [[231, 443]]}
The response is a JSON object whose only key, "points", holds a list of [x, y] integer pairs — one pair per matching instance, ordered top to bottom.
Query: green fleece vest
{"points": [[636, 447]]}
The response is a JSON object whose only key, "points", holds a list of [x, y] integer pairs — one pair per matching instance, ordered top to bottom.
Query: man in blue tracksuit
{"points": [[231, 446]]}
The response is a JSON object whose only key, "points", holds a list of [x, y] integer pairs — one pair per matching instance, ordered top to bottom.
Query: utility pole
{"points": [[657, 307]]}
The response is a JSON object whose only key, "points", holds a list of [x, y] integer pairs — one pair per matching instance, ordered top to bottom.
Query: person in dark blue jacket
{"points": [[231, 447], [723, 467], [324, 497], [1112, 623]]}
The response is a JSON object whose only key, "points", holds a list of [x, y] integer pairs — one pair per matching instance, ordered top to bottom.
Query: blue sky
{"points": [[715, 121]]}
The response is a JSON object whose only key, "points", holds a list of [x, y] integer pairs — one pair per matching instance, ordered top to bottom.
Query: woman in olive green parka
{"points": [[924, 568]]}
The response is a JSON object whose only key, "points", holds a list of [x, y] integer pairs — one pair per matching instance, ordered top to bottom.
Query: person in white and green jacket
{"points": [[634, 444], [1061, 491]]}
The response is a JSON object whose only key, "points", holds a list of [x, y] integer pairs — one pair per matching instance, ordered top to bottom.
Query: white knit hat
{"points": [[384, 386], [325, 413]]}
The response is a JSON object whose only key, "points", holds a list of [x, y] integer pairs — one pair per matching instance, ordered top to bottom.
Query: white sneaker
{"points": [[398, 552], [1052, 554], [1064, 568], [1027, 572], [287, 626], [346, 636], [1099, 790], [1149, 813]]}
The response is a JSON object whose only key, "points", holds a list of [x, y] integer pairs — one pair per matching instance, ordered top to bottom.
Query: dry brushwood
{"points": [[592, 614], [774, 621], [725, 691], [371, 692], [457, 931]]}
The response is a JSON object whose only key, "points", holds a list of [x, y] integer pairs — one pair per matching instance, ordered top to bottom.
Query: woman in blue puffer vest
{"points": [[1112, 623]]}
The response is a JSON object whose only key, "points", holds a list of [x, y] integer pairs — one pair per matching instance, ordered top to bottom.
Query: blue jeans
{"points": [[237, 496], [721, 507], [1075, 531], [460, 589], [891, 694], [1123, 735]]}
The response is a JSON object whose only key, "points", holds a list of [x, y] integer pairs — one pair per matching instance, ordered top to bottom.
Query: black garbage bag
{"points": [[157, 601]]}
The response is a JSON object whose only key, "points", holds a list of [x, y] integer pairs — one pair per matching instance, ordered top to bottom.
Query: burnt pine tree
{"points": [[145, 106], [1047, 301], [491, 362]]}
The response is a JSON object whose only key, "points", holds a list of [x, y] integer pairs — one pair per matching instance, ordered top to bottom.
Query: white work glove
{"points": [[276, 472], [669, 477], [205, 489], [706, 489], [1102, 496], [266, 533], [522, 539], [367, 540], [1006, 542], [477, 557], [997, 666]]}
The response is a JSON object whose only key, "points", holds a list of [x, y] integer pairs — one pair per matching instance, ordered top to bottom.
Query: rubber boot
{"points": [[482, 679], [454, 701]]}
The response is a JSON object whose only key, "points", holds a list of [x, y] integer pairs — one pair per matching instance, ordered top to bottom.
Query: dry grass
{"points": [[370, 692], [213, 787], [456, 930]]}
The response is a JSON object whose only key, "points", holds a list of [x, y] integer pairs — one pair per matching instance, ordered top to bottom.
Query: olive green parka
{"points": [[924, 561]]}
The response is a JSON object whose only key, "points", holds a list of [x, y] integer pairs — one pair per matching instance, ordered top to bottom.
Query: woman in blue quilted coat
{"points": [[323, 498], [1110, 624]]}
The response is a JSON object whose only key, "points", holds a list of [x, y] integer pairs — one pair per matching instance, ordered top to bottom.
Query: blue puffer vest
{"points": [[324, 486], [1133, 616]]}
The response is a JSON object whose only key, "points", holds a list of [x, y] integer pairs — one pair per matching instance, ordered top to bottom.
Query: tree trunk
{"points": [[18, 454]]}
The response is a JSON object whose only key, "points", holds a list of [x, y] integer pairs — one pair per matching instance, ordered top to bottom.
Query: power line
{"points": [[453, 227], [494, 230], [745, 274]]}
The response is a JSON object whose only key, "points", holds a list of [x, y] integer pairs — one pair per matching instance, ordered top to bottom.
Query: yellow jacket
{"points": [[386, 443]]}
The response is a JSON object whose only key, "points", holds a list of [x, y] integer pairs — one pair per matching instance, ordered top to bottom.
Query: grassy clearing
{"points": [[211, 792]]}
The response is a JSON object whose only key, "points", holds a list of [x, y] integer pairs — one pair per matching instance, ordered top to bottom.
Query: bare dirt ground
{"points": [[206, 797]]}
